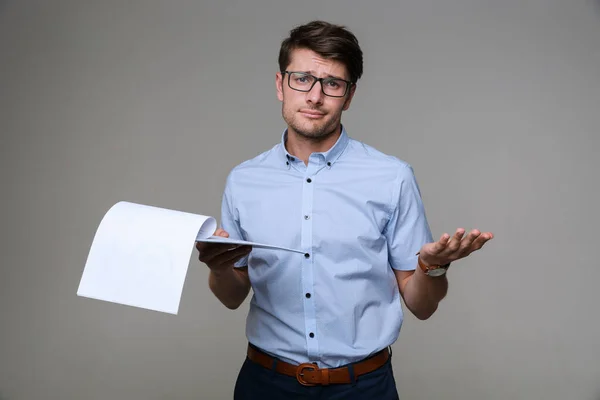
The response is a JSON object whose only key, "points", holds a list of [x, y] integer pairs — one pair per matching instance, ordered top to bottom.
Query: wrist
{"points": [[424, 262], [431, 268]]}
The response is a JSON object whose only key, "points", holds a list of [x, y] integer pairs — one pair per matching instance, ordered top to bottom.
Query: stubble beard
{"points": [[313, 131]]}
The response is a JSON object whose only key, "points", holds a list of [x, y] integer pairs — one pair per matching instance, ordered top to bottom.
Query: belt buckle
{"points": [[300, 373]]}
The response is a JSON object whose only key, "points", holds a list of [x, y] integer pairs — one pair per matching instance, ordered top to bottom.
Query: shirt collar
{"points": [[331, 155]]}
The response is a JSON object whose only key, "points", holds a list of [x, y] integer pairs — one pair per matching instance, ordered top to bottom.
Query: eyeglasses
{"points": [[303, 82]]}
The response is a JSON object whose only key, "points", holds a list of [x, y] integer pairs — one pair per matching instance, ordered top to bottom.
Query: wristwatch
{"points": [[433, 270]]}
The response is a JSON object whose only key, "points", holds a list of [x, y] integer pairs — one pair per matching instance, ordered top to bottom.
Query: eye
{"points": [[301, 79]]}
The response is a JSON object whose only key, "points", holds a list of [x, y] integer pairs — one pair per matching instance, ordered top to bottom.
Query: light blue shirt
{"points": [[358, 214]]}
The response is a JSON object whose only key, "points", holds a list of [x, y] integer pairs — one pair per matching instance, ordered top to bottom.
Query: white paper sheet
{"points": [[220, 239], [140, 255]]}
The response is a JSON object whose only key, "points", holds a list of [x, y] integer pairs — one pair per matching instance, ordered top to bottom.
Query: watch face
{"points": [[436, 272]]}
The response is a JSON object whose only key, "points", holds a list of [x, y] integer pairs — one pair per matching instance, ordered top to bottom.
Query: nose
{"points": [[315, 95]]}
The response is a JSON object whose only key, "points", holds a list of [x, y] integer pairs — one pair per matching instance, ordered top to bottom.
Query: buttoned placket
{"points": [[316, 163]]}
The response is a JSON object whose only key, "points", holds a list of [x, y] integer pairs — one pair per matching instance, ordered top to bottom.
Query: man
{"points": [[321, 324]]}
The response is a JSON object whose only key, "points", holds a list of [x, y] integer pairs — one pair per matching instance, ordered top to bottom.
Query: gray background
{"points": [[496, 104]]}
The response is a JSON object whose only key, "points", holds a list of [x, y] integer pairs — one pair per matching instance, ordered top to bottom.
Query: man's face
{"points": [[313, 114]]}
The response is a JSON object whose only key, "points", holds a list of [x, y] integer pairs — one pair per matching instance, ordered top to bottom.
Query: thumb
{"points": [[221, 232]]}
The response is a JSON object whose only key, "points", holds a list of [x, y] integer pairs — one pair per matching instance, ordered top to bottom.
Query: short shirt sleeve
{"points": [[230, 217], [407, 230]]}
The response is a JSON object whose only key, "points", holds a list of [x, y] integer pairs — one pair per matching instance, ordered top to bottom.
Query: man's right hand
{"points": [[220, 257], [230, 285]]}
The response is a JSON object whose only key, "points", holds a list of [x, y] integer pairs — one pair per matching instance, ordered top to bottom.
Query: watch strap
{"points": [[426, 268]]}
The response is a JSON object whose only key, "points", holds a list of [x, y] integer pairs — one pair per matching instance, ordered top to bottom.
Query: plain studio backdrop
{"points": [[496, 105]]}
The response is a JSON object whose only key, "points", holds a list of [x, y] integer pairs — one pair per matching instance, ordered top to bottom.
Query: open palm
{"points": [[452, 248]]}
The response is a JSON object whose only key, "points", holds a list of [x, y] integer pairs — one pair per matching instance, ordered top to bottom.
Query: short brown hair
{"points": [[330, 41]]}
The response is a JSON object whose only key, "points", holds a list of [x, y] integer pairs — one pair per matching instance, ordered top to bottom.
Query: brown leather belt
{"points": [[310, 374]]}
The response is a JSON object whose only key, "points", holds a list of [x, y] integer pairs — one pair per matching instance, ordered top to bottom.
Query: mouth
{"points": [[311, 114]]}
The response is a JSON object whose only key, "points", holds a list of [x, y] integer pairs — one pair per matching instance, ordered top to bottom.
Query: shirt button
{"points": [[328, 164], [308, 180], [306, 217], [306, 255], [307, 295], [311, 335]]}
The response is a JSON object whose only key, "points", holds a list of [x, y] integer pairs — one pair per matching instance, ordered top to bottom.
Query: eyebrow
{"points": [[328, 75]]}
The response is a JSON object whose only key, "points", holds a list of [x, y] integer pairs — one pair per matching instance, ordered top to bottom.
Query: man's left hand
{"points": [[449, 249]]}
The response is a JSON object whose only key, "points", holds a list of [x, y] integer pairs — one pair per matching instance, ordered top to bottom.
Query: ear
{"points": [[279, 85], [350, 96]]}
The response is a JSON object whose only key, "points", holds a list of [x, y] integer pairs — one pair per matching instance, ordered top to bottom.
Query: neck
{"points": [[302, 147]]}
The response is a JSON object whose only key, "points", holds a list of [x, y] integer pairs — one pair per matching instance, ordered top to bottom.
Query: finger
{"points": [[221, 232], [481, 240], [454, 242], [467, 242], [441, 244], [203, 247], [214, 248], [208, 251], [231, 256]]}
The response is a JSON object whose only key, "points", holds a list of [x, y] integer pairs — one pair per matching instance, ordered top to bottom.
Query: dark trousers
{"points": [[257, 382]]}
